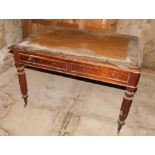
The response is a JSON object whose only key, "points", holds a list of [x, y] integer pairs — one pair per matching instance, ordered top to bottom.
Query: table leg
{"points": [[22, 82], [125, 107]]}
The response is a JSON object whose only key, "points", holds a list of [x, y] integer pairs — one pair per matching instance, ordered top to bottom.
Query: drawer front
{"points": [[45, 62], [56, 64], [85, 69], [100, 72], [115, 74]]}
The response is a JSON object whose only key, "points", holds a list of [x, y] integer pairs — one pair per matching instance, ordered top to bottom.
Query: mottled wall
{"points": [[145, 29], [10, 32], [148, 39]]}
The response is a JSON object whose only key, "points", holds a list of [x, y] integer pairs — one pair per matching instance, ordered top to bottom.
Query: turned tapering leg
{"points": [[21, 77], [22, 82], [125, 107]]}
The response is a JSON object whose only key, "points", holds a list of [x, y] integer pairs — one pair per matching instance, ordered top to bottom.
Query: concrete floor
{"points": [[60, 105]]}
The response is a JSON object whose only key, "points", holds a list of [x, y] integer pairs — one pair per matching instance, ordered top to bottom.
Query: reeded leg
{"points": [[21, 75], [22, 82], [126, 104]]}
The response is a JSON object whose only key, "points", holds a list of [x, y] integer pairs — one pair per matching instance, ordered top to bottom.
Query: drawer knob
{"points": [[30, 58], [84, 69], [113, 75]]}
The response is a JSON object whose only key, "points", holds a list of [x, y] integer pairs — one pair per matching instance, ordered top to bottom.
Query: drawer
{"points": [[30, 58], [45, 62], [56, 64], [86, 69], [99, 72], [117, 75]]}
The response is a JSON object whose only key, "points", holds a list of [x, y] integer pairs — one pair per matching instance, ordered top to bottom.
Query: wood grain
{"points": [[99, 25], [96, 45]]}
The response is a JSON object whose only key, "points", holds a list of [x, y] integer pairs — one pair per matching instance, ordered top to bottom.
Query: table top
{"points": [[80, 43]]}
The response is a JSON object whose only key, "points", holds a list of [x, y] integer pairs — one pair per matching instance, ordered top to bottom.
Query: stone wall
{"points": [[145, 29], [10, 33], [148, 40]]}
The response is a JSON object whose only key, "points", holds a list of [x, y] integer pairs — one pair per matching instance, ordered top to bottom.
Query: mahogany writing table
{"points": [[104, 57]]}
